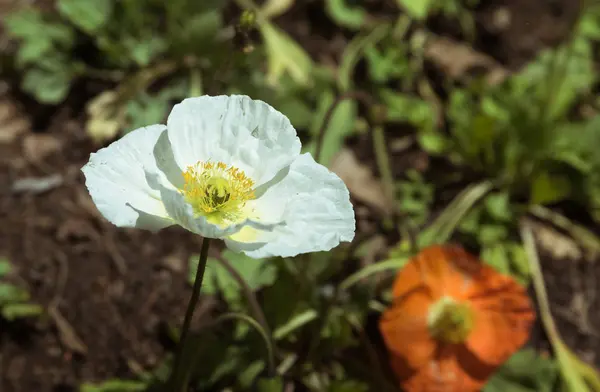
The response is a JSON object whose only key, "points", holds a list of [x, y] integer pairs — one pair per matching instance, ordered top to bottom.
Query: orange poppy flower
{"points": [[453, 321]]}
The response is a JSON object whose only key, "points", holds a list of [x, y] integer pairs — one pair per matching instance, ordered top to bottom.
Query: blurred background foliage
{"points": [[509, 143]]}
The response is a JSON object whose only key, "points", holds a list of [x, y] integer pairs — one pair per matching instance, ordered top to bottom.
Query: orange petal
{"points": [[445, 269], [503, 317], [404, 328], [452, 369]]}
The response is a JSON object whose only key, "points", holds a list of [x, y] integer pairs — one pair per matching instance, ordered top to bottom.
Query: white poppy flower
{"points": [[223, 167]]}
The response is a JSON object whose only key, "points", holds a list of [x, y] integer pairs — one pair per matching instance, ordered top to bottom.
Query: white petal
{"points": [[235, 130], [116, 177], [314, 205]]}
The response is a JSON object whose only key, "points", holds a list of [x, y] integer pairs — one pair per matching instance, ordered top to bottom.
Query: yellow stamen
{"points": [[217, 191], [450, 321]]}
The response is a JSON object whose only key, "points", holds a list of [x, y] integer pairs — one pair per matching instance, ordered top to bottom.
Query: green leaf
{"points": [[418, 9], [345, 15], [90, 16], [39, 37], [144, 50], [354, 51], [285, 55], [49, 81], [408, 108], [146, 109], [341, 125], [433, 142], [549, 188], [498, 206], [490, 234], [496, 257], [519, 262], [5, 267], [257, 273], [12, 294], [12, 312], [295, 323], [525, 371], [250, 373], [270, 384], [115, 385], [347, 386]]}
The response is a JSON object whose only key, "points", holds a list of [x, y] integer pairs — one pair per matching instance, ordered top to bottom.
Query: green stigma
{"points": [[450, 321]]}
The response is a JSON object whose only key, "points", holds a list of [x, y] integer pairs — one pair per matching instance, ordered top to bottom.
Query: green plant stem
{"points": [[383, 162], [256, 310], [256, 325], [569, 371], [178, 380]]}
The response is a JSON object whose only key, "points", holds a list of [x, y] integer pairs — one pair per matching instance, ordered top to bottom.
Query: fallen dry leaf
{"points": [[457, 59], [12, 121], [36, 147], [360, 181], [557, 244], [66, 333]]}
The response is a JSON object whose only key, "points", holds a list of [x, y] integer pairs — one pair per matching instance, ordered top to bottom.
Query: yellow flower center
{"points": [[217, 191], [450, 321]]}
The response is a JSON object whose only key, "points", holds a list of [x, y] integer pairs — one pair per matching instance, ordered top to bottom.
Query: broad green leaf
{"points": [[418, 9], [345, 15], [90, 16], [200, 30], [38, 37], [144, 50], [285, 55], [49, 86], [407, 108], [146, 109], [341, 125], [433, 142], [549, 188], [498, 206], [470, 223], [490, 234], [496, 257], [519, 262], [5, 267], [256, 274], [12, 294], [14, 311], [525, 371], [270, 384], [116, 385], [347, 386]]}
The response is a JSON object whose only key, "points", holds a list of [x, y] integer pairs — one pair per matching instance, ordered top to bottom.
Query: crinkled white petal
{"points": [[236, 130], [116, 177], [314, 205]]}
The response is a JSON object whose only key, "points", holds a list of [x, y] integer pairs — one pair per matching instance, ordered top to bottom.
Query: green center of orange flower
{"points": [[450, 321]]}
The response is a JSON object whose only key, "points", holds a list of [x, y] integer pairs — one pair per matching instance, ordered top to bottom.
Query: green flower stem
{"points": [[257, 313], [178, 381]]}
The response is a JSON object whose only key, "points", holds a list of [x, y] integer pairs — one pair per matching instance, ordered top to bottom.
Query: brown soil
{"points": [[114, 288]]}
